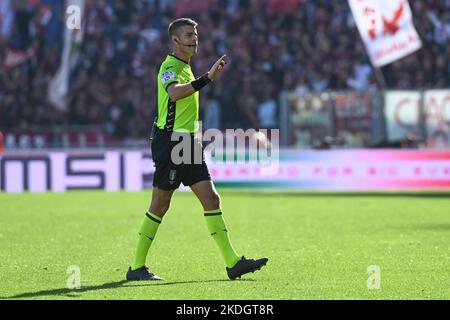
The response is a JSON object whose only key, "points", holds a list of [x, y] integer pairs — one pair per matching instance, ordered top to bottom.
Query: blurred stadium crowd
{"points": [[272, 45]]}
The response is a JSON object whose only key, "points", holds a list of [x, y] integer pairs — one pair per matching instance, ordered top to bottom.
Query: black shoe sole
{"points": [[140, 279], [152, 279], [144, 280]]}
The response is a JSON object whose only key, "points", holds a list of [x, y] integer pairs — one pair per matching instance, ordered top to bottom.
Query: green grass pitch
{"points": [[320, 246]]}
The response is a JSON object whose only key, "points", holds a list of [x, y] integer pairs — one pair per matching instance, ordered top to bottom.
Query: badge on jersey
{"points": [[167, 76]]}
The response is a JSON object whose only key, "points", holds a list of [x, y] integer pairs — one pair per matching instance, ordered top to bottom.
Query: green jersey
{"points": [[181, 115]]}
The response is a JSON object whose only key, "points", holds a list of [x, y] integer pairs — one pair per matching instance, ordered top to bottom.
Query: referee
{"points": [[178, 108]]}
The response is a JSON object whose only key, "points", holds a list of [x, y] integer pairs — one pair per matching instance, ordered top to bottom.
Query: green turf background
{"points": [[319, 246]]}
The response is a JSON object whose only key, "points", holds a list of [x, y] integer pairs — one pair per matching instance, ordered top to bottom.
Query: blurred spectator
{"points": [[188, 7], [6, 19], [300, 45], [361, 79], [302, 86], [212, 109], [267, 111], [2, 143]]}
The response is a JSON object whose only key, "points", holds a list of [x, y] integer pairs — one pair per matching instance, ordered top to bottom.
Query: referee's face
{"points": [[188, 40]]}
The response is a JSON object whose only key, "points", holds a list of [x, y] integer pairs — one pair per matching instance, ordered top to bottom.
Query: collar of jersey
{"points": [[172, 55]]}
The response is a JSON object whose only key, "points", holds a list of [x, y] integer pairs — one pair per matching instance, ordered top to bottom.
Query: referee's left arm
{"points": [[178, 91]]}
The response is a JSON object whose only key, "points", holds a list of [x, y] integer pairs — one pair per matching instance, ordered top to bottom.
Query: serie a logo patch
{"points": [[167, 76]]}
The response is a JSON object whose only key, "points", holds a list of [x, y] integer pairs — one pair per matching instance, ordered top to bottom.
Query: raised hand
{"points": [[217, 68]]}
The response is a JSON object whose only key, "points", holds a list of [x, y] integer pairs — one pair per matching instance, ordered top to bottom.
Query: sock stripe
{"points": [[214, 210], [213, 214], [152, 217], [224, 230], [149, 238]]}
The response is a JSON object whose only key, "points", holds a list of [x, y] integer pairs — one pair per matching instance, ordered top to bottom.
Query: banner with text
{"points": [[402, 114], [343, 170]]}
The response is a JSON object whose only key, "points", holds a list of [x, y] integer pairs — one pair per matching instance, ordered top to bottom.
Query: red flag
{"points": [[386, 28], [14, 57]]}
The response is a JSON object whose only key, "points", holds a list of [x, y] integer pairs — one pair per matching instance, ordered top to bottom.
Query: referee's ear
{"points": [[175, 40]]}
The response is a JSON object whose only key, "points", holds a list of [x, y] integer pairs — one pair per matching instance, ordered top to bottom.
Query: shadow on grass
{"points": [[338, 194], [430, 227], [204, 281], [112, 285], [68, 292]]}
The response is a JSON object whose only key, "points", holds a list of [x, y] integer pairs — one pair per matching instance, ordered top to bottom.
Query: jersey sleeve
{"points": [[170, 74]]}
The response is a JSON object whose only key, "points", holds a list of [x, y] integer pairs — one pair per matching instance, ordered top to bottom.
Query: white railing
{"points": [[365, 119]]}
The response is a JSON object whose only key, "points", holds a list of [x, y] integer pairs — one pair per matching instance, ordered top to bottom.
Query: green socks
{"points": [[216, 226], [218, 230], [146, 235]]}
